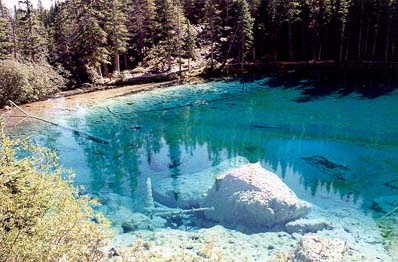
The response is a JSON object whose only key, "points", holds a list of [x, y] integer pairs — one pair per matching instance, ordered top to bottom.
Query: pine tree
{"points": [[276, 8], [293, 10], [342, 10], [319, 18], [169, 20], [212, 26], [142, 27], [116, 29], [245, 29], [5, 33], [31, 34], [90, 38], [190, 43]]}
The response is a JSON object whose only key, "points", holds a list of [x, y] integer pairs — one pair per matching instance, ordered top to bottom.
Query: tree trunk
{"points": [[360, 31], [14, 37], [388, 38], [290, 39], [366, 39], [178, 40], [375, 43], [212, 44], [341, 45], [320, 52], [242, 54], [125, 59], [106, 70], [116, 70]]}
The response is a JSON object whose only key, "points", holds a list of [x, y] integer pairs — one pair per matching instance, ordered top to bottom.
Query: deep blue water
{"points": [[336, 148]]}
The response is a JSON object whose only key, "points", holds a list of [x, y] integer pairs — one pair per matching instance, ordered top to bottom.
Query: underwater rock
{"points": [[337, 171], [393, 184], [183, 193], [253, 197], [385, 204], [139, 221], [304, 226], [314, 248]]}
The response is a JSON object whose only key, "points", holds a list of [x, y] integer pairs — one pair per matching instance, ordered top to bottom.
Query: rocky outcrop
{"points": [[253, 197], [313, 248]]}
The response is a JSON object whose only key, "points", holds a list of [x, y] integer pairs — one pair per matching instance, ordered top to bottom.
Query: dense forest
{"points": [[88, 39]]}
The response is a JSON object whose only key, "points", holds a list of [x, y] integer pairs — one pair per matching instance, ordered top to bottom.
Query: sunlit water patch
{"points": [[333, 151]]}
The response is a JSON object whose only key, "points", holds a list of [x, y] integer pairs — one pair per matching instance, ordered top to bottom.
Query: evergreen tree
{"points": [[293, 10], [342, 10], [170, 17], [319, 18], [212, 26], [116, 29], [245, 29], [5, 33], [31, 34], [190, 43]]}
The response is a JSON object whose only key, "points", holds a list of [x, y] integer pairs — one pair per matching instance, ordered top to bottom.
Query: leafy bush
{"points": [[27, 82], [42, 216]]}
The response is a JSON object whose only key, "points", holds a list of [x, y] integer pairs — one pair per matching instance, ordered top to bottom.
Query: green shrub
{"points": [[27, 82], [42, 216]]}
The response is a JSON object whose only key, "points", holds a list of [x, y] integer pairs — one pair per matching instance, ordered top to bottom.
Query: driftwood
{"points": [[74, 131], [155, 209]]}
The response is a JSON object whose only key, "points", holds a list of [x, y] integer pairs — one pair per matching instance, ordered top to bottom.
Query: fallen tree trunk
{"points": [[74, 131]]}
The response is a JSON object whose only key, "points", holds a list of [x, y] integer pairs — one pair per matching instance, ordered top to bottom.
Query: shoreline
{"points": [[146, 83], [64, 102]]}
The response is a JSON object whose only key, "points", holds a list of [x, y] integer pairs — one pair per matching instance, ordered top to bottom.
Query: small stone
{"points": [[313, 248]]}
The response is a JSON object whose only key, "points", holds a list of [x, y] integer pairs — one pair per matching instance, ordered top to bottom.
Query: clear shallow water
{"points": [[331, 150]]}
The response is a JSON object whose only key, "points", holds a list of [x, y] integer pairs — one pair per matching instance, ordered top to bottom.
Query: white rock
{"points": [[254, 197], [304, 226], [313, 248]]}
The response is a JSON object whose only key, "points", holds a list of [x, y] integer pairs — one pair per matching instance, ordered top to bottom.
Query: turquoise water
{"points": [[332, 149]]}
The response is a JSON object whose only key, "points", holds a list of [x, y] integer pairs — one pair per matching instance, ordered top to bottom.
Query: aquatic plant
{"points": [[42, 216], [389, 230]]}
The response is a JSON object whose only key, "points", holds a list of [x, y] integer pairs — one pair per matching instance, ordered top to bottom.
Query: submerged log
{"points": [[74, 131], [155, 209]]}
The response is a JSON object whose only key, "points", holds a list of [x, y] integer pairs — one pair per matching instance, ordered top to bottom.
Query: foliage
{"points": [[5, 33], [90, 37], [32, 39], [26, 82], [42, 216]]}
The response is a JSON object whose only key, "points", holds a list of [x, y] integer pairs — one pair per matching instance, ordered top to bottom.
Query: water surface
{"points": [[331, 149]]}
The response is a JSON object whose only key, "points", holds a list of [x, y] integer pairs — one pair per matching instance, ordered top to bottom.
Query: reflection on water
{"points": [[330, 150]]}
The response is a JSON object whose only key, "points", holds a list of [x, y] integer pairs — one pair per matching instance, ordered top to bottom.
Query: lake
{"points": [[334, 149]]}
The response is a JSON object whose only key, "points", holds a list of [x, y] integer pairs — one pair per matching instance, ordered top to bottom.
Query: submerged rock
{"points": [[337, 171], [183, 193], [253, 197], [140, 221], [304, 226], [313, 248]]}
